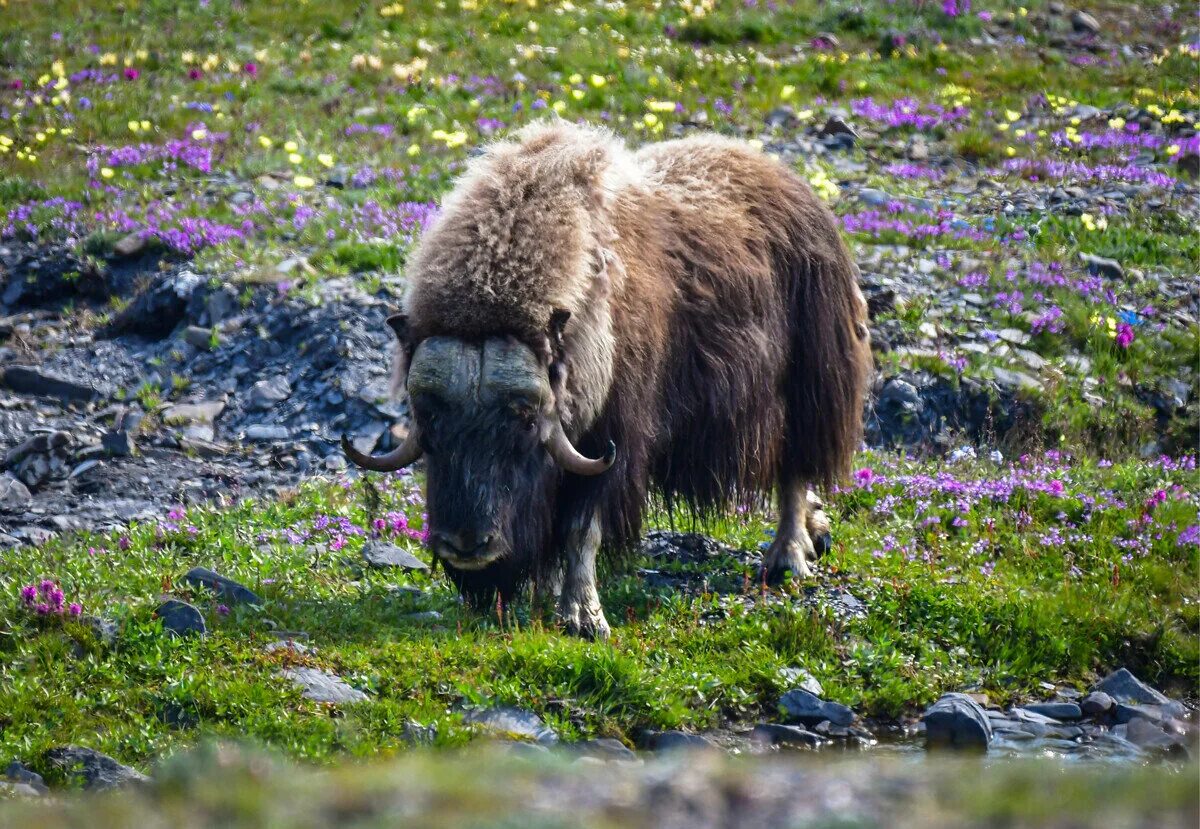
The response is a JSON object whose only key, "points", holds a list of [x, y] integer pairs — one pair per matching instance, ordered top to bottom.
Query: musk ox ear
{"points": [[399, 325]]}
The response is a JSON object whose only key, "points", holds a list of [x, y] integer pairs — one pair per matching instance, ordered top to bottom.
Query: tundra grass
{"points": [[975, 574]]}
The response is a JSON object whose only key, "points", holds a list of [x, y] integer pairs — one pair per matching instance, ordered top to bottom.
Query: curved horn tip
{"points": [[610, 454]]}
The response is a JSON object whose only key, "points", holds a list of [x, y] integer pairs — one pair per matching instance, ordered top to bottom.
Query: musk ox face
{"points": [[480, 409], [485, 417]]}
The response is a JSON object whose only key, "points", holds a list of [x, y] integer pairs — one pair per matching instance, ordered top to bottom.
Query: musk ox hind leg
{"points": [[801, 520], [579, 604]]}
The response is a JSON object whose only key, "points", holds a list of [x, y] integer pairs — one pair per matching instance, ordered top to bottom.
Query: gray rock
{"points": [[1084, 23], [836, 125], [874, 198], [130, 245], [1101, 266], [198, 337], [1015, 380], [33, 381], [266, 393], [205, 411], [265, 432], [45, 443], [118, 443], [14, 495], [383, 554], [226, 588], [423, 616], [180, 618], [105, 630], [802, 679], [323, 686], [1123, 686], [1097, 704], [808, 708], [1056, 710], [1125, 713], [504, 720], [957, 721], [1147, 734], [791, 736], [681, 741], [604, 748], [97, 771], [17, 773], [10, 789]]}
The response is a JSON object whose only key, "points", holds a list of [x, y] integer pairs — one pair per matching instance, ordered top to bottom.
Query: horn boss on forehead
{"points": [[463, 373]]}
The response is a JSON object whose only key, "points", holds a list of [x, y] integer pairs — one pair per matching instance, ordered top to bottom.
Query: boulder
{"points": [[957, 721]]}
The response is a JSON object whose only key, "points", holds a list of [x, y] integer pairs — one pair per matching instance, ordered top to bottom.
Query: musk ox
{"points": [[584, 326]]}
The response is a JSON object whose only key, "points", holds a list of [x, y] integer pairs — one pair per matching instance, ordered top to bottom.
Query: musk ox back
{"points": [[584, 325]]}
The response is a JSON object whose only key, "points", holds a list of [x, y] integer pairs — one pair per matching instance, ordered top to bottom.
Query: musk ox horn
{"points": [[403, 455], [568, 457]]}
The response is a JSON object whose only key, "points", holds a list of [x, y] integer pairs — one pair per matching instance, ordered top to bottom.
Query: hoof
{"points": [[778, 575], [578, 619]]}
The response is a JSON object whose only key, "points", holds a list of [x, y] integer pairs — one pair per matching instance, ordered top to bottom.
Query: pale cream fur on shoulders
{"points": [[524, 232]]}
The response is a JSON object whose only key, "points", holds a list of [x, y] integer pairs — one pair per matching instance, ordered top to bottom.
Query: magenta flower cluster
{"points": [[48, 599]]}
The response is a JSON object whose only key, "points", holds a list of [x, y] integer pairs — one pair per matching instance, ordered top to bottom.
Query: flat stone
{"points": [[1102, 266], [198, 337], [33, 381], [266, 393], [206, 411], [265, 432], [382, 554], [226, 588], [180, 618], [323, 686], [1123, 686], [1097, 704], [808, 708], [1056, 710], [507, 721], [957, 721], [791, 736], [681, 741], [604, 748], [99, 772]]}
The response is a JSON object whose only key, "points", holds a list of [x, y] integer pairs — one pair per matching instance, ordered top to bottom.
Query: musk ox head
{"points": [[485, 416]]}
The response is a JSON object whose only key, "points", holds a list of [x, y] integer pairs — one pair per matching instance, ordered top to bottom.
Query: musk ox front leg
{"points": [[802, 536], [579, 604]]}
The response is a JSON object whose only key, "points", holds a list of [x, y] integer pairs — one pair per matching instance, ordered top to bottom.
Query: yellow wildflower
{"points": [[597, 81], [787, 92], [660, 106], [199, 134], [264, 141], [291, 146], [295, 158], [326, 159], [106, 172], [303, 181]]}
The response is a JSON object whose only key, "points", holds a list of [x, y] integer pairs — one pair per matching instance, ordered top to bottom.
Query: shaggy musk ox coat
{"points": [[713, 331]]}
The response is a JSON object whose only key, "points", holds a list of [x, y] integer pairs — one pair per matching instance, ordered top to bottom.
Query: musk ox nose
{"points": [[463, 544]]}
